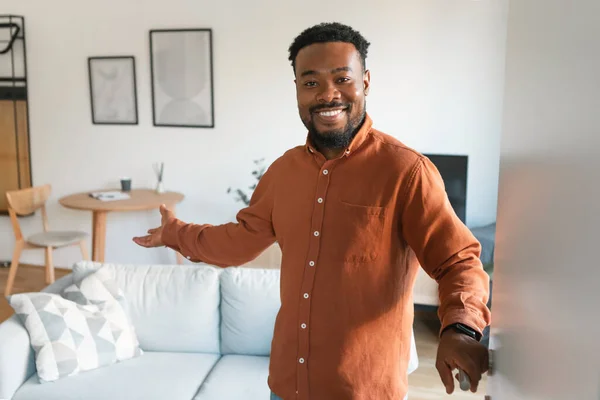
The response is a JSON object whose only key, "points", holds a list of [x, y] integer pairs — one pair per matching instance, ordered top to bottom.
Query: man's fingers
{"points": [[165, 213], [151, 231], [145, 241], [472, 371], [445, 372], [472, 383]]}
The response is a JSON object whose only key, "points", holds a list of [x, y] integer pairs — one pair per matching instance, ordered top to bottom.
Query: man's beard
{"points": [[339, 138]]}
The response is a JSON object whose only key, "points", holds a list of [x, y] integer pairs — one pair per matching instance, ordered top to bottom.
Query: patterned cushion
{"points": [[83, 328]]}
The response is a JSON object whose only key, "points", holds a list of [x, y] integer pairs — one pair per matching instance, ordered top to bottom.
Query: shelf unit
{"points": [[15, 159]]}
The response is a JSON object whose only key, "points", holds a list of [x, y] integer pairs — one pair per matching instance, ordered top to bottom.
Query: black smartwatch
{"points": [[462, 328]]}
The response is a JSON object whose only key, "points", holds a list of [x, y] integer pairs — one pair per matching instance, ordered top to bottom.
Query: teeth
{"points": [[330, 113]]}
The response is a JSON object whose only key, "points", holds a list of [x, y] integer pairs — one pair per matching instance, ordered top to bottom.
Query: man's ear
{"points": [[366, 82]]}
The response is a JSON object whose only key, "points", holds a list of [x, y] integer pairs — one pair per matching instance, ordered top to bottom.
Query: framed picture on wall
{"points": [[181, 69], [113, 90]]}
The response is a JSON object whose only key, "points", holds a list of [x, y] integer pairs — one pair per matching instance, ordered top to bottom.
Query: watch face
{"points": [[465, 329]]}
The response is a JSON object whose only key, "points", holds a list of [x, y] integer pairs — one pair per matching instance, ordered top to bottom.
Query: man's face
{"points": [[330, 88]]}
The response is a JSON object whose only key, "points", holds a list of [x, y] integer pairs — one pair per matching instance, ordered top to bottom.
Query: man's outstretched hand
{"points": [[153, 239], [458, 351]]}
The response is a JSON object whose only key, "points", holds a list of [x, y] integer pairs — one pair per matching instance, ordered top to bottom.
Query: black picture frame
{"points": [[182, 83], [113, 93]]}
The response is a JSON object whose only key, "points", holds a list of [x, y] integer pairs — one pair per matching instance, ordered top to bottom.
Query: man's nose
{"points": [[328, 94]]}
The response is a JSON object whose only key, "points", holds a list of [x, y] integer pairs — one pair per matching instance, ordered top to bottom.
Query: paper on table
{"points": [[109, 196]]}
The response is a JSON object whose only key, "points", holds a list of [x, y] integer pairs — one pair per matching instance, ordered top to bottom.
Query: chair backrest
{"points": [[25, 202]]}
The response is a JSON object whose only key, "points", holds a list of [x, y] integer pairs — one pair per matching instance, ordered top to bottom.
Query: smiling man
{"points": [[332, 117], [356, 214]]}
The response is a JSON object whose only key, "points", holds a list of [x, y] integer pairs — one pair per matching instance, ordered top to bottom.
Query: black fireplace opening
{"points": [[454, 169]]}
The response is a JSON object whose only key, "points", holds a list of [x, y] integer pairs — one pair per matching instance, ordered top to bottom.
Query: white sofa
{"points": [[205, 331]]}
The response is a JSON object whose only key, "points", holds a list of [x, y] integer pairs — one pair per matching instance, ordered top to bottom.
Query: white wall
{"points": [[437, 77]]}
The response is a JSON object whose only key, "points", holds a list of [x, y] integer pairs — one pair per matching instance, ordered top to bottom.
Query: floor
{"points": [[29, 278], [424, 383]]}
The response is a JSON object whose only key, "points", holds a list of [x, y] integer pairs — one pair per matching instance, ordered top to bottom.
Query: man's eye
{"points": [[343, 80], [310, 84]]}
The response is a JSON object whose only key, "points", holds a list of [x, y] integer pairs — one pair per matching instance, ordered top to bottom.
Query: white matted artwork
{"points": [[182, 77], [113, 90]]}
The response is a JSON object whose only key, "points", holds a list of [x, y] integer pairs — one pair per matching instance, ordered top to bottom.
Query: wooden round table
{"points": [[140, 199]]}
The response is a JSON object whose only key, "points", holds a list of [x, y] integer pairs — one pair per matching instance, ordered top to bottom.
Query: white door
{"points": [[546, 293]]}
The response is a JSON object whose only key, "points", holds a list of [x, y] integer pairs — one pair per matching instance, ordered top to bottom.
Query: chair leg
{"points": [[84, 252], [49, 266], [12, 273]]}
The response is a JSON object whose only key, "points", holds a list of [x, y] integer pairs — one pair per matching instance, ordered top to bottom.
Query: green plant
{"points": [[245, 196]]}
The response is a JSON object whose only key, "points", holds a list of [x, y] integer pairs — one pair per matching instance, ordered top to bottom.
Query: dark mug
{"points": [[125, 184]]}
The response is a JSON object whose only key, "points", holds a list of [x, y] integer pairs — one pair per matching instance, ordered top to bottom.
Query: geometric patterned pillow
{"points": [[83, 328]]}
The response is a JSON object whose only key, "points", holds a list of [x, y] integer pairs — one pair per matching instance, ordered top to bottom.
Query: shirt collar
{"points": [[357, 141]]}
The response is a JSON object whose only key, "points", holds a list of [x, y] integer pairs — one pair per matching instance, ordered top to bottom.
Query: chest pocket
{"points": [[359, 231]]}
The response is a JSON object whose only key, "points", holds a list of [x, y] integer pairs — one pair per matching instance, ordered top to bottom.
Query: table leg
{"points": [[98, 235], [178, 255]]}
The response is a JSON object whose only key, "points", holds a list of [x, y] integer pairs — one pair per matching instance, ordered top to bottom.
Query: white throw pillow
{"points": [[83, 328]]}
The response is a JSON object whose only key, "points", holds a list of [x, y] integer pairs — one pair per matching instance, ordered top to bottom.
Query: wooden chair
{"points": [[27, 202]]}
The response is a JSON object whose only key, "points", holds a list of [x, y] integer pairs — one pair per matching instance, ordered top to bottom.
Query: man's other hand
{"points": [[154, 239], [459, 351]]}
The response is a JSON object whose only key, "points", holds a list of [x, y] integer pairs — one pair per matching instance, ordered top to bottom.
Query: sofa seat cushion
{"points": [[154, 375], [237, 377]]}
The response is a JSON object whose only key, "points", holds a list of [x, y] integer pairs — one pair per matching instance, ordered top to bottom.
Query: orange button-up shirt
{"points": [[354, 232]]}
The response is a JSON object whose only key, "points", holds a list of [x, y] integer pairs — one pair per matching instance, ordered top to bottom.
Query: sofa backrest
{"points": [[250, 301], [249, 304], [172, 307], [202, 308]]}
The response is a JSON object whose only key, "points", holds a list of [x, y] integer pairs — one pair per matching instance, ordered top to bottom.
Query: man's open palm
{"points": [[154, 237]]}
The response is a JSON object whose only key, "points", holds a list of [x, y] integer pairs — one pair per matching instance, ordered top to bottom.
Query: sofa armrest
{"points": [[16, 357], [17, 361]]}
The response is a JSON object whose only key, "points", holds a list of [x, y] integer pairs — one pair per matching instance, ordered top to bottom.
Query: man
{"points": [[356, 213]]}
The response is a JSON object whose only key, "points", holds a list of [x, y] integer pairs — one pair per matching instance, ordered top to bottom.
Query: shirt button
{"points": [[325, 172], [320, 200], [316, 233], [189, 258], [312, 263], [306, 295], [303, 326], [301, 360]]}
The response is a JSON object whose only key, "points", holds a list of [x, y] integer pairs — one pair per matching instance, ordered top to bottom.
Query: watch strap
{"points": [[464, 329]]}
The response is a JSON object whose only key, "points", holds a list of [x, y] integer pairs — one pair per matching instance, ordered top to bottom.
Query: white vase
{"points": [[159, 187]]}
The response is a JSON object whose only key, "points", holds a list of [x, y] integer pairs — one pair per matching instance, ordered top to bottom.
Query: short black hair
{"points": [[329, 32]]}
